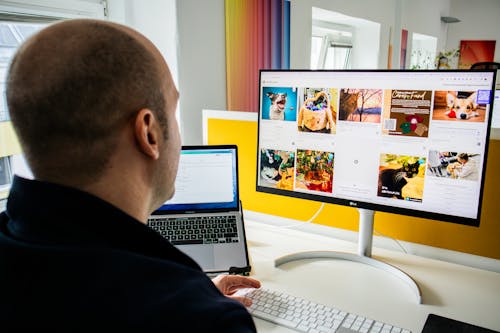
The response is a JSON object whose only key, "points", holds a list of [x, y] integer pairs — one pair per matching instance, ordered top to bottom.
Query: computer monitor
{"points": [[400, 141], [408, 142]]}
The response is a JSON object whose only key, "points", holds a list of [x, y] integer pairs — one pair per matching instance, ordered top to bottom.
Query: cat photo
{"points": [[401, 177]]}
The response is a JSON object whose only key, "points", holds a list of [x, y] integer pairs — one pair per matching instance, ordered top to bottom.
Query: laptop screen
{"points": [[207, 179]]}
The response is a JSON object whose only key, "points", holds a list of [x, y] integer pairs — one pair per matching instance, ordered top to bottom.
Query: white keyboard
{"points": [[306, 316]]}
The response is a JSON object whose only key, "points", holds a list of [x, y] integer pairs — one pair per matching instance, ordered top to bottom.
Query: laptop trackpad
{"points": [[202, 254]]}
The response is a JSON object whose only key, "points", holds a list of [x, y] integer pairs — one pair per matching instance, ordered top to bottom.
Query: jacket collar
{"points": [[51, 214]]}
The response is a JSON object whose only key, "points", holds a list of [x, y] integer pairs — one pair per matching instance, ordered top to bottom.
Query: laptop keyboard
{"points": [[196, 229], [305, 316]]}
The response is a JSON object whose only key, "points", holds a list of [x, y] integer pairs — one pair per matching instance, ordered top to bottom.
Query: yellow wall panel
{"points": [[9, 145], [483, 240]]}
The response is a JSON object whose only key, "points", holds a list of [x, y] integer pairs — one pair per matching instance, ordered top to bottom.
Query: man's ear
{"points": [[147, 133]]}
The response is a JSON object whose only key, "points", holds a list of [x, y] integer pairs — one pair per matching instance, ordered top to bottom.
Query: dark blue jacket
{"points": [[70, 261]]}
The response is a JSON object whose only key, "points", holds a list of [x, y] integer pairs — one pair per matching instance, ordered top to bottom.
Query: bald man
{"points": [[93, 104]]}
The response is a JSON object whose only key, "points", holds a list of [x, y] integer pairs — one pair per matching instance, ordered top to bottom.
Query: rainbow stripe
{"points": [[257, 37]]}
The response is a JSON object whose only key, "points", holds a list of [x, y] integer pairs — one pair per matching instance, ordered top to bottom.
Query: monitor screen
{"points": [[407, 142]]}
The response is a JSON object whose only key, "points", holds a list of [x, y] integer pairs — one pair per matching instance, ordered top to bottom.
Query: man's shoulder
{"points": [[109, 287]]}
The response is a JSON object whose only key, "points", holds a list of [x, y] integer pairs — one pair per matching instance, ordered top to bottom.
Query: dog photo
{"points": [[279, 103], [458, 106]]}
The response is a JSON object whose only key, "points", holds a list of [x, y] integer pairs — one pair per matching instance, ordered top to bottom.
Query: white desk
{"points": [[454, 291]]}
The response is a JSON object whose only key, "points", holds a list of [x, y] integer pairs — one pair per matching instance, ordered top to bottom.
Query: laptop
{"points": [[204, 218]]}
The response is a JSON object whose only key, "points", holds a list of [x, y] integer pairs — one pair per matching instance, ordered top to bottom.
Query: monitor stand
{"points": [[363, 256]]}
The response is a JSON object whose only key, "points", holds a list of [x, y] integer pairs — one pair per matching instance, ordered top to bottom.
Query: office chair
{"points": [[486, 65]]}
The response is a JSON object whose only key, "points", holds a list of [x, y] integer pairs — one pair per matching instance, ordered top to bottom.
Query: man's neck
{"points": [[127, 195]]}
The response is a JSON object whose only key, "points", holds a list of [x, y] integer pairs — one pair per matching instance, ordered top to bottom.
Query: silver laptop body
{"points": [[204, 218]]}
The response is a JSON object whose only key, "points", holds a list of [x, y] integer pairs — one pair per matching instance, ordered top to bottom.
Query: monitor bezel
{"points": [[372, 206]]}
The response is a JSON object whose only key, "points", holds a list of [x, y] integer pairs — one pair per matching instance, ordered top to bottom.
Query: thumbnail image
{"points": [[279, 103], [360, 105], [467, 106], [407, 112], [317, 113], [453, 165], [277, 168], [314, 170], [401, 177]]}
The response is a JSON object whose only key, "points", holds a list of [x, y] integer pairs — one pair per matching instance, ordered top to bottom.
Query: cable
{"points": [[311, 220], [305, 222], [394, 239]]}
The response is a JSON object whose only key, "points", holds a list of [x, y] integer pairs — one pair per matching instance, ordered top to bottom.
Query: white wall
{"points": [[381, 11], [421, 16], [424, 17], [156, 19], [480, 20], [191, 36], [366, 45], [198, 63], [202, 63]]}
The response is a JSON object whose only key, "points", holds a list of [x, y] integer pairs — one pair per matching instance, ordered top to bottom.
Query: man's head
{"points": [[75, 86]]}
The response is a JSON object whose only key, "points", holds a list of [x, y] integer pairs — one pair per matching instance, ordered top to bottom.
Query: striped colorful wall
{"points": [[257, 37]]}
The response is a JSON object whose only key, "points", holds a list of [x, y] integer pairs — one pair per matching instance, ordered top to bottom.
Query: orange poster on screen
{"points": [[472, 51]]}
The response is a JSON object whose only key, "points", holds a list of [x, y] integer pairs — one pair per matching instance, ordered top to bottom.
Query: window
{"points": [[19, 19], [12, 34], [343, 42], [331, 46], [423, 52], [338, 56], [5, 172], [5, 179]]}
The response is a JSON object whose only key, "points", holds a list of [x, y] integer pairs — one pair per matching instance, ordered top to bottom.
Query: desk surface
{"points": [[450, 290]]}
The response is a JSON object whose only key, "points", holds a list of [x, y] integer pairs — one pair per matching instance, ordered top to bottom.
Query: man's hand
{"points": [[230, 284]]}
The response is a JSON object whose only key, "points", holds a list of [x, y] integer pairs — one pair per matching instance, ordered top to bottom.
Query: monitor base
{"points": [[366, 222], [353, 257]]}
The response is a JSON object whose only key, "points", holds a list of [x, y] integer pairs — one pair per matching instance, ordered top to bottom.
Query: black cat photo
{"points": [[392, 181]]}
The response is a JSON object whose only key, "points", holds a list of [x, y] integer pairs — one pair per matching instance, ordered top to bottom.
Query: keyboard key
{"points": [[217, 229], [187, 241], [306, 316], [279, 321], [301, 327]]}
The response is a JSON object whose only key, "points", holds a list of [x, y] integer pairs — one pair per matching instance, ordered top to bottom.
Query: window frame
{"points": [[51, 10], [44, 11], [333, 35]]}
